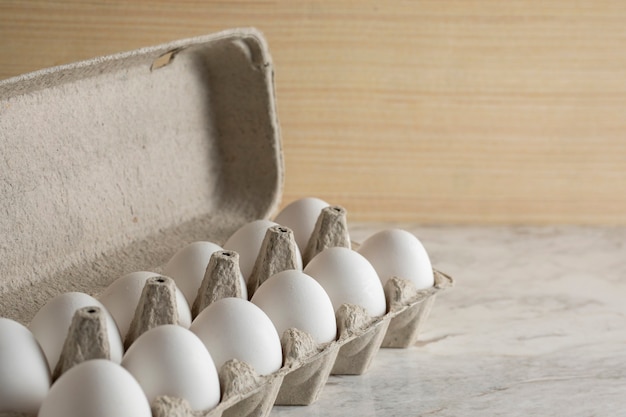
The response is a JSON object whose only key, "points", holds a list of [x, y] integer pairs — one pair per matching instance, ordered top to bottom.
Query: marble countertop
{"points": [[536, 326]]}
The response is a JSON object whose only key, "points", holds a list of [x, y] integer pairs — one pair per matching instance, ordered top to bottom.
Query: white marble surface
{"points": [[536, 326]]}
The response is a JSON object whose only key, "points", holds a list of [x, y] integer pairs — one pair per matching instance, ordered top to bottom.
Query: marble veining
{"points": [[536, 325]]}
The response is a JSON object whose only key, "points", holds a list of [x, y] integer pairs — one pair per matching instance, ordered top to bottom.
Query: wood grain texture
{"points": [[466, 111]]}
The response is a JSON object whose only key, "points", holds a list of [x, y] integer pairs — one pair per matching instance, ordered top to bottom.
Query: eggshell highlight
{"points": [[396, 252], [349, 278], [292, 299], [233, 328], [170, 360], [24, 373], [96, 388]]}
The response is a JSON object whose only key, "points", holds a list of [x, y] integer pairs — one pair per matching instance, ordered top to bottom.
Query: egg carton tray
{"points": [[307, 365]]}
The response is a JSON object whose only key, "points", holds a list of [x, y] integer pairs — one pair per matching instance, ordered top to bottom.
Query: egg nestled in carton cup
{"points": [[213, 332], [239, 357]]}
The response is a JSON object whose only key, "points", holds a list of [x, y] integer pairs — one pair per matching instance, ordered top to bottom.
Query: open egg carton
{"points": [[118, 162]]}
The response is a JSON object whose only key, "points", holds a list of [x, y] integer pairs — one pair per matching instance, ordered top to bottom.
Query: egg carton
{"points": [[119, 161], [307, 365]]}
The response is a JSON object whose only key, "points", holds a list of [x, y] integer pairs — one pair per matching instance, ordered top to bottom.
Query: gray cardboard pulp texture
{"points": [[112, 165]]}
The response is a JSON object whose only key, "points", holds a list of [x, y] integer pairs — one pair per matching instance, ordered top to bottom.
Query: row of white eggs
{"points": [[171, 360]]}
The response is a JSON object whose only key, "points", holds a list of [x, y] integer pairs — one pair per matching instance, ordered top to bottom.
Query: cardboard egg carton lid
{"points": [[112, 164]]}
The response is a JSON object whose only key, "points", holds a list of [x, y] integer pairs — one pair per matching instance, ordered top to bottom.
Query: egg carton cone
{"points": [[409, 308], [360, 339], [307, 368], [258, 401]]}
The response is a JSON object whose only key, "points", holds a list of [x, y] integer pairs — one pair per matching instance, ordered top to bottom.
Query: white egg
{"points": [[301, 216], [247, 241], [396, 252], [188, 265], [349, 278], [122, 296], [292, 299], [52, 322], [234, 328], [170, 360], [24, 373], [96, 388]]}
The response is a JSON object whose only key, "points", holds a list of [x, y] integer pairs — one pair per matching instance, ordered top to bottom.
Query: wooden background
{"points": [[442, 111]]}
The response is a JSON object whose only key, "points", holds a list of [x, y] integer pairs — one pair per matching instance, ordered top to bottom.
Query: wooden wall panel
{"points": [[440, 111]]}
